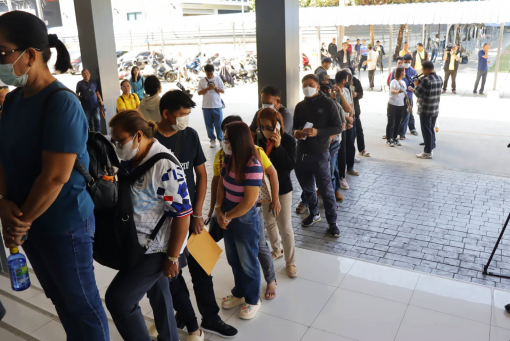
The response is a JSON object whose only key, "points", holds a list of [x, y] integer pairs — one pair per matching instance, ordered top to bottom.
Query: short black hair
{"points": [[357, 39], [377, 42], [405, 42], [419, 44], [485, 45], [399, 58], [428, 65], [209, 68], [82, 71], [341, 75], [312, 77], [124, 81], [152, 85], [271, 91], [174, 100], [230, 119]]}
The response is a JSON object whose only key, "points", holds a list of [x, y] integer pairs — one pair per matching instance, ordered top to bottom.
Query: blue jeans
{"points": [[434, 56], [94, 119], [213, 119], [407, 120], [428, 124], [333, 161], [242, 249], [63, 265]]}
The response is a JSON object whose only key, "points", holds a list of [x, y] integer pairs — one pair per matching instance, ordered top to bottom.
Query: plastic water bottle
{"points": [[18, 270]]}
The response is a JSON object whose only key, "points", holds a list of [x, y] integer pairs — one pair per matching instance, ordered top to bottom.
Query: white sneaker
{"points": [[213, 144], [424, 156], [356, 160], [344, 184], [248, 311]]}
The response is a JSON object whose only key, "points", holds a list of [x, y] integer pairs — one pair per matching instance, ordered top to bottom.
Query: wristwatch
{"points": [[174, 260]]}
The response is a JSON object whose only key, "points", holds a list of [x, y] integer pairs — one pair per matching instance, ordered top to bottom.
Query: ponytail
{"points": [[63, 58], [132, 121], [153, 126]]}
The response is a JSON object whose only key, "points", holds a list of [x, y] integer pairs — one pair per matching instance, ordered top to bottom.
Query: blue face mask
{"points": [[8, 76]]}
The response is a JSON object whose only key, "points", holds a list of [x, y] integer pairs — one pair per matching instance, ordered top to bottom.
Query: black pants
{"points": [[361, 61], [371, 75], [447, 75], [483, 76], [395, 114], [429, 134], [360, 137], [347, 151], [342, 155], [315, 169], [129, 287], [204, 293], [182, 303]]}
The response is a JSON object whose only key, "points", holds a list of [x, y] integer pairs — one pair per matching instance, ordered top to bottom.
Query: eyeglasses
{"points": [[3, 54], [267, 128], [119, 142]]}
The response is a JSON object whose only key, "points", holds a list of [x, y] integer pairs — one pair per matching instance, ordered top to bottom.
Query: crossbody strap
{"points": [[178, 143]]}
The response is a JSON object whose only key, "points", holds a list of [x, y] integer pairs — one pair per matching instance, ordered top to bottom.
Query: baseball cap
{"points": [[327, 60]]}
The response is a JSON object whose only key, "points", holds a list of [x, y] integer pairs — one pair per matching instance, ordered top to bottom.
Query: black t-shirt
{"points": [[288, 120], [190, 156]]}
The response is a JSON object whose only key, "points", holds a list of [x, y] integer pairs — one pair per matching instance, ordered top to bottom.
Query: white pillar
{"points": [[501, 32], [423, 35], [244, 36], [390, 49], [319, 56]]}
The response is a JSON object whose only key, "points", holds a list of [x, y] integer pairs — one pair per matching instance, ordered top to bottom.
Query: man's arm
{"points": [[420, 89], [99, 97], [334, 124], [201, 190]]}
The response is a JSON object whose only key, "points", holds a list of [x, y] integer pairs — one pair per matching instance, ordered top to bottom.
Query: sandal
{"points": [[384, 137], [402, 138], [364, 153], [302, 208], [277, 255], [292, 271], [271, 290]]}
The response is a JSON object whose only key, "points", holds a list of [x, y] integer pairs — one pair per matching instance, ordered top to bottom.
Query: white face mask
{"points": [[406, 65], [8, 76], [309, 91], [264, 106], [181, 123], [227, 149], [126, 152]]}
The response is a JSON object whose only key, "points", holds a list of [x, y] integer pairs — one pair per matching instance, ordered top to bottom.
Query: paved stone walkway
{"points": [[428, 219]]}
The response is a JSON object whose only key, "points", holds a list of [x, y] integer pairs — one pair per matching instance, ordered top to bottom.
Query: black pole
{"points": [[486, 267]]}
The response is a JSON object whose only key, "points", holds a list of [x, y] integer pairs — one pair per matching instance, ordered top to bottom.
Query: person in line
{"points": [[349, 46], [357, 47], [333, 48], [435, 48], [405, 50], [324, 51], [380, 51], [364, 56], [343, 57], [419, 57], [371, 62], [451, 65], [483, 67], [322, 71], [137, 82], [4, 90], [428, 91], [357, 94], [270, 97], [90, 99], [127, 101], [149, 105], [212, 106], [396, 107], [175, 108], [281, 149], [312, 166], [238, 191], [159, 192], [42, 194], [265, 256]]}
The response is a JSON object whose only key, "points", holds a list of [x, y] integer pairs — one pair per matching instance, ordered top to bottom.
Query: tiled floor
{"points": [[334, 298]]}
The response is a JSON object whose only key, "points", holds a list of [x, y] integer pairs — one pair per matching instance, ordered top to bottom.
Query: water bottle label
{"points": [[21, 274]]}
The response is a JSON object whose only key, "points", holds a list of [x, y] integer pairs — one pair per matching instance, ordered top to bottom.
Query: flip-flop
{"points": [[364, 153], [302, 208], [271, 289]]}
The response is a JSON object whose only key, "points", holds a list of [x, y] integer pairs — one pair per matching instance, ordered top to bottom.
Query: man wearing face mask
{"points": [[270, 97], [175, 108], [316, 119], [408, 119]]}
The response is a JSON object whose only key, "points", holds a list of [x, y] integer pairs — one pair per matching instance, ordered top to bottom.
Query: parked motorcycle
{"points": [[306, 62]]}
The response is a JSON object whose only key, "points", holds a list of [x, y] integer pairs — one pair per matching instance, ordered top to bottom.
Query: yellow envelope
{"points": [[205, 250]]}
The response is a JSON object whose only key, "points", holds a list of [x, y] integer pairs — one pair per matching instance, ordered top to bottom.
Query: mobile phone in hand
{"points": [[277, 128]]}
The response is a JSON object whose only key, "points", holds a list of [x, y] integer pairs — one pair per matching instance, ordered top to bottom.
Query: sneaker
{"points": [[443, 91], [454, 92], [474, 92], [481, 93], [414, 132], [389, 143], [397, 143], [213, 144], [422, 144], [424, 156], [356, 160], [353, 172], [344, 184], [339, 196], [310, 220], [334, 231], [231, 301], [507, 308], [248, 311], [219, 328]]}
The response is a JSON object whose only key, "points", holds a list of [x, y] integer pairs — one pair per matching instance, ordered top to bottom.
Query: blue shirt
{"points": [[364, 50], [482, 62], [410, 73], [138, 87], [87, 93], [23, 138]]}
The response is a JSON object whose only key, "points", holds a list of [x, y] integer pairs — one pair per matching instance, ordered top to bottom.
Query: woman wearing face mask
{"points": [[137, 82], [127, 101], [149, 106], [396, 107], [281, 149], [161, 191], [238, 191], [42, 198]]}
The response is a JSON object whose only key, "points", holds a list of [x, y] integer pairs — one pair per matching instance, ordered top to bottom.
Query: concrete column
{"points": [[9, 6], [340, 32], [97, 44], [278, 48], [390, 50], [319, 56], [498, 58]]}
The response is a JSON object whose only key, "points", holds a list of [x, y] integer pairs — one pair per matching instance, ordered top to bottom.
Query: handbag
{"points": [[215, 230]]}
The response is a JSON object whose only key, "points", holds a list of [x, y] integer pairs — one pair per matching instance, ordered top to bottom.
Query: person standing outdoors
{"points": [[349, 46], [333, 48], [435, 48], [405, 50], [324, 51], [380, 51], [364, 56], [419, 56], [343, 57], [372, 65], [451, 65], [483, 67], [322, 71], [137, 82], [428, 91], [357, 95], [270, 97], [90, 99], [127, 101], [149, 106], [212, 106], [396, 107], [316, 119], [408, 120], [42, 194]]}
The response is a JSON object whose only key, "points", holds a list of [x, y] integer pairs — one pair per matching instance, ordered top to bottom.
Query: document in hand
{"points": [[307, 125], [205, 250]]}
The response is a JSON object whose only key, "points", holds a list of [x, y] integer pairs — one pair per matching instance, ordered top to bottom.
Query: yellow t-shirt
{"points": [[404, 52], [420, 57], [452, 62], [129, 103], [220, 155]]}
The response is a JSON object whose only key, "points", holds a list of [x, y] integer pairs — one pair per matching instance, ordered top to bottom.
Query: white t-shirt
{"points": [[372, 55], [212, 99], [397, 99], [162, 190]]}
